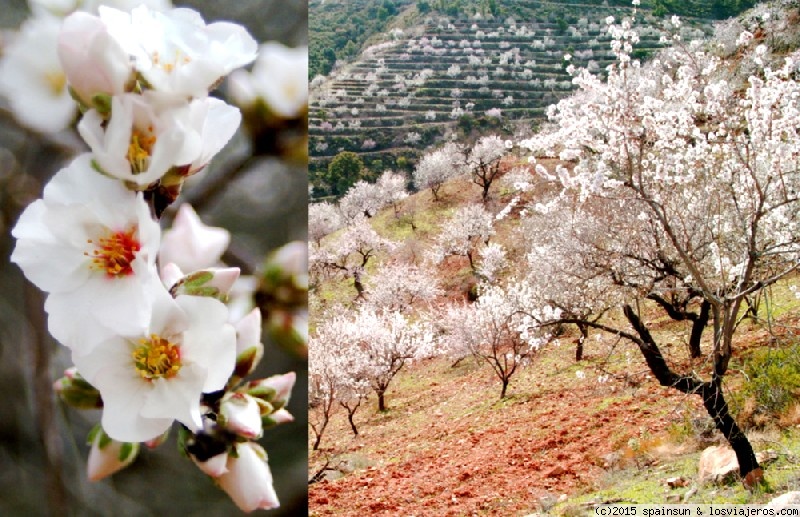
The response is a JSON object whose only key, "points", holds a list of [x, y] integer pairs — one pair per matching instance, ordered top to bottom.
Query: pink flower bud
{"points": [[95, 64], [192, 245], [248, 331], [275, 389], [241, 414], [281, 416], [248, 481]]}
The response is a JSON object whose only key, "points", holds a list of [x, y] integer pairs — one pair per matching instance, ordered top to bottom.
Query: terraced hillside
{"points": [[429, 76]]}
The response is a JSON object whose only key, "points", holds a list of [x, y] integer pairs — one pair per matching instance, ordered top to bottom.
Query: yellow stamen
{"points": [[56, 81], [140, 149], [114, 252], [156, 357]]}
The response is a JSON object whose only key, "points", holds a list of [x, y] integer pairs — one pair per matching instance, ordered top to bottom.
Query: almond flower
{"points": [[176, 52], [279, 78], [32, 80], [146, 137], [91, 244], [150, 379]]}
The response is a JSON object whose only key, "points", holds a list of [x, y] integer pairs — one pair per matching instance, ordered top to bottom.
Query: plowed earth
{"points": [[442, 449]]}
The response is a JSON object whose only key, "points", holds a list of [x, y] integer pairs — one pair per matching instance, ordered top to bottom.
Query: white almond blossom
{"points": [[176, 52], [279, 78], [32, 80], [145, 138], [91, 244], [158, 375]]}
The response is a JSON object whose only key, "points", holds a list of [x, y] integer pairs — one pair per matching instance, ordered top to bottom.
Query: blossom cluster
{"points": [[144, 314]]}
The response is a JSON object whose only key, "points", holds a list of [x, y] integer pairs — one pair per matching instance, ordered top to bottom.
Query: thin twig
{"points": [[44, 403]]}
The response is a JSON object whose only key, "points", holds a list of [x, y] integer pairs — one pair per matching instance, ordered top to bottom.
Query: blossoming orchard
{"points": [[654, 213], [162, 333]]}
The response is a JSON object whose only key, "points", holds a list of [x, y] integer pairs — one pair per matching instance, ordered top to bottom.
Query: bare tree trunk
{"points": [[698, 325], [584, 329], [711, 393]]}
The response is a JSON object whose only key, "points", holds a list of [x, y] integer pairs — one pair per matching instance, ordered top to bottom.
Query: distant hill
{"points": [[411, 73]]}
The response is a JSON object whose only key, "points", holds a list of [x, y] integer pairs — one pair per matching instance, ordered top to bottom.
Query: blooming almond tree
{"points": [[710, 161], [483, 162], [437, 167], [323, 219], [469, 227], [349, 252], [397, 286], [144, 315], [496, 329], [381, 343], [336, 377]]}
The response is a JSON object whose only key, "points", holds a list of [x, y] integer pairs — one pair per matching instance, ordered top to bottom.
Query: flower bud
{"points": [[95, 64], [191, 244], [284, 280], [290, 330], [249, 349], [275, 389], [75, 391], [241, 414], [278, 417], [108, 456], [248, 481]]}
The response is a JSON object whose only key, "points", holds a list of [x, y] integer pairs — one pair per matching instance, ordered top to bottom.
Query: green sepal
{"points": [[102, 103], [81, 105], [198, 279], [246, 361], [262, 392], [81, 398], [267, 421], [93, 434], [183, 436], [104, 440], [127, 450]]}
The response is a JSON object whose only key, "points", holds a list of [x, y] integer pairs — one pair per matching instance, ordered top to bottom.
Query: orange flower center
{"points": [[114, 252], [156, 357]]}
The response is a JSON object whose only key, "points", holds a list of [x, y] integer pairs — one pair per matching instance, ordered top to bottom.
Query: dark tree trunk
{"points": [[358, 285], [698, 325], [584, 329], [504, 389], [710, 392], [381, 400], [717, 408], [351, 413]]}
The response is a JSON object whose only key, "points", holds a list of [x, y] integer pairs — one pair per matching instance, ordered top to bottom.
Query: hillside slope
{"points": [[425, 76]]}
